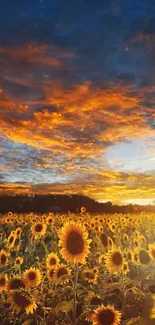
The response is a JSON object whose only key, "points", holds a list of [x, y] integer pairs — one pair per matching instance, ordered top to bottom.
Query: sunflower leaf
{"points": [[64, 306], [27, 321]]}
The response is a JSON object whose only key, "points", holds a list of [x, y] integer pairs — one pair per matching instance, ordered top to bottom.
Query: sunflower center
{"points": [[38, 227], [11, 239], [104, 239], [75, 243], [144, 257], [117, 258], [3, 259], [18, 261], [53, 261], [62, 272], [32, 275], [90, 275], [2, 281], [16, 284], [21, 300], [96, 301], [106, 317]]}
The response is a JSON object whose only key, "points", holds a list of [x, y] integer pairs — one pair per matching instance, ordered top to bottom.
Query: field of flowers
{"points": [[77, 269]]}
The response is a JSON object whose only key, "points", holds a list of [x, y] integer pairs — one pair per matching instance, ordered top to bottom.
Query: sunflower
{"points": [[83, 210], [10, 214], [51, 215], [43, 217], [20, 219], [7, 220], [49, 220], [101, 220], [86, 225], [92, 225], [112, 227], [38, 229], [96, 229], [100, 229], [18, 231], [125, 237], [104, 239], [143, 239], [11, 240], [74, 242], [110, 242], [136, 243], [152, 251], [129, 255], [144, 257], [3, 258], [101, 259], [52, 260], [19, 261], [114, 261], [125, 268], [96, 270], [61, 272], [50, 274], [90, 276], [32, 277], [3, 281], [15, 283], [92, 299], [22, 300], [95, 300], [106, 315]]}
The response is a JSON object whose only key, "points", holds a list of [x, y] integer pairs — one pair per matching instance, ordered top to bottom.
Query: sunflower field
{"points": [[77, 269]]}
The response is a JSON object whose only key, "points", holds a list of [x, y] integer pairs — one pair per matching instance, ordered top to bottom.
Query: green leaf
{"points": [[64, 306], [40, 320], [132, 321], [27, 322]]}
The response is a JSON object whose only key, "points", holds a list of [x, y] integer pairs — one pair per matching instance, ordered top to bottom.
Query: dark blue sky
{"points": [[96, 32], [77, 92]]}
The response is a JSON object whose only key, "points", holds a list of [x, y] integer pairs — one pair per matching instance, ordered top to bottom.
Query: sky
{"points": [[77, 99]]}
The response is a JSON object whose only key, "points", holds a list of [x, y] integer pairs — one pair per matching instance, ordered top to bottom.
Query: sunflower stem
{"points": [[75, 293]]}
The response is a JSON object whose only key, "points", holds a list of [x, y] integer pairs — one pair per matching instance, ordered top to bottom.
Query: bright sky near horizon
{"points": [[77, 98]]}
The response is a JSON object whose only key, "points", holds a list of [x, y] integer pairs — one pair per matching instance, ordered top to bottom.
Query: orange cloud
{"points": [[142, 37], [32, 53], [84, 119], [76, 124], [126, 186]]}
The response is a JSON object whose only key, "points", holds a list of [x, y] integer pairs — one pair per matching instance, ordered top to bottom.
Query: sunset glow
{"points": [[77, 92]]}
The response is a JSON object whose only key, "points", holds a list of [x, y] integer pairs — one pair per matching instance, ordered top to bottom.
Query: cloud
{"points": [[76, 80], [88, 117], [67, 143], [131, 186]]}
